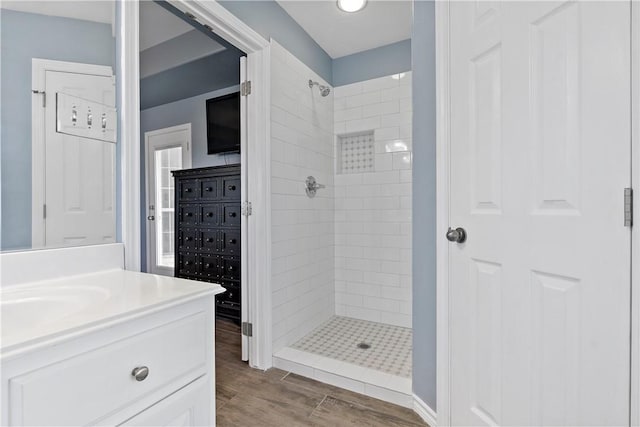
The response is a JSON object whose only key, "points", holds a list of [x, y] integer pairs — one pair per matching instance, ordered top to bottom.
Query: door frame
{"points": [[236, 32], [39, 68], [443, 158], [148, 160]]}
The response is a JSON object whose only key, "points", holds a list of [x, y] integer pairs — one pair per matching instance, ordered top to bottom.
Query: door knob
{"points": [[151, 217], [458, 235]]}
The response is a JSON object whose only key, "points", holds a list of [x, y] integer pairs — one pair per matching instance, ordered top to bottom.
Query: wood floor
{"points": [[249, 397]]}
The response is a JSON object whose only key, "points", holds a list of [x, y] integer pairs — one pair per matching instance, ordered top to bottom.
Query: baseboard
{"points": [[424, 411]]}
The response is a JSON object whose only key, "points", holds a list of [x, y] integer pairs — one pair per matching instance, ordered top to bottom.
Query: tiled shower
{"points": [[341, 268]]}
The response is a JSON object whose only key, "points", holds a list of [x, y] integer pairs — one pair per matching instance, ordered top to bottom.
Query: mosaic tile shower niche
{"points": [[356, 153]]}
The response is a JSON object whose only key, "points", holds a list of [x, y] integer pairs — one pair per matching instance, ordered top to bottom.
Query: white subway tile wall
{"points": [[302, 144], [373, 209]]}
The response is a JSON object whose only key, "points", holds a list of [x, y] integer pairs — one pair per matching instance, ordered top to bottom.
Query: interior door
{"points": [[167, 150], [540, 156], [79, 172], [244, 231]]}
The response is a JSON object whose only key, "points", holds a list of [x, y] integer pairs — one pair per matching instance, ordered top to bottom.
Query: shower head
{"points": [[324, 90]]}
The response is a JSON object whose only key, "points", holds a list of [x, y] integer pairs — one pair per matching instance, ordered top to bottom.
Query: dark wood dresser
{"points": [[208, 215]]}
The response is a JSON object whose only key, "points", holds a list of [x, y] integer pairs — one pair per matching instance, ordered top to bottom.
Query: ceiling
{"points": [[88, 10], [380, 23], [157, 25]]}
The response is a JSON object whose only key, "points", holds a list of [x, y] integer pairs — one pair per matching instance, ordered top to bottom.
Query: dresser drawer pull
{"points": [[231, 187], [208, 189], [187, 190], [189, 214], [209, 214], [232, 214], [189, 239], [209, 239], [232, 241], [187, 263], [207, 265], [230, 268], [140, 373]]}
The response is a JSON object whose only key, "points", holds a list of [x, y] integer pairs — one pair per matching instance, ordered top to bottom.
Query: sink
{"points": [[35, 306]]}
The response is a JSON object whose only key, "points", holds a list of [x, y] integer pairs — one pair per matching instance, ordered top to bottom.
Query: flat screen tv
{"points": [[223, 124]]}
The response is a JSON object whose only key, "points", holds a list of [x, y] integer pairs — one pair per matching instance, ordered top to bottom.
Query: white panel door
{"points": [[167, 150], [540, 155], [80, 172]]}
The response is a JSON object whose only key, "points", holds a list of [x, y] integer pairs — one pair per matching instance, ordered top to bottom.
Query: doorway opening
{"points": [[193, 126]]}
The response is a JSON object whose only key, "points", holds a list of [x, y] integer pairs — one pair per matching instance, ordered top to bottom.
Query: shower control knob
{"points": [[457, 235]]}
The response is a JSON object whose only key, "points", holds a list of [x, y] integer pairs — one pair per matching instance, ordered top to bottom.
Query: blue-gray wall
{"points": [[270, 20], [24, 36], [370, 64], [203, 75], [191, 110], [424, 202]]}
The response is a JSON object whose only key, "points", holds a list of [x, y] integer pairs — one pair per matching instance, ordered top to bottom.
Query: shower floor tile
{"points": [[389, 346]]}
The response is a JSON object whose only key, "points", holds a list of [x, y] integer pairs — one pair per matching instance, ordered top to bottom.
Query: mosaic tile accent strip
{"points": [[356, 152], [390, 346]]}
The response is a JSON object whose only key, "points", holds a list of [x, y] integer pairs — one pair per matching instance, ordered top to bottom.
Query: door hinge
{"points": [[245, 88], [44, 96], [628, 207], [247, 209], [44, 211], [247, 329]]}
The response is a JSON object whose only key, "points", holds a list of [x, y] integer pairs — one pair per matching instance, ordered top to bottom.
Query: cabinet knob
{"points": [[231, 187], [208, 189], [187, 190], [189, 214], [209, 214], [232, 214], [189, 239], [209, 239], [232, 241], [187, 263], [207, 265], [230, 268], [140, 373]]}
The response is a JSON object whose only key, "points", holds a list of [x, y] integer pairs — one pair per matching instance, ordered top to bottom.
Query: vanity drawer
{"points": [[86, 388]]}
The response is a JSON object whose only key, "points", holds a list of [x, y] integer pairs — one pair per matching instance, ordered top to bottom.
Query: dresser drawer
{"points": [[209, 188], [230, 188], [188, 189], [209, 214], [188, 215], [230, 215], [187, 239], [209, 240], [230, 242], [188, 264], [209, 266], [229, 268], [232, 294], [88, 387]]}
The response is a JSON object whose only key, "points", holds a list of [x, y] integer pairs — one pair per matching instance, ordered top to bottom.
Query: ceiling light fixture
{"points": [[351, 5]]}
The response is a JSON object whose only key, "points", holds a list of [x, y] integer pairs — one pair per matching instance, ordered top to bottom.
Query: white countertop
{"points": [[40, 311]]}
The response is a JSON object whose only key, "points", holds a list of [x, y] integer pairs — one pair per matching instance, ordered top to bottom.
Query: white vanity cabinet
{"points": [[154, 366]]}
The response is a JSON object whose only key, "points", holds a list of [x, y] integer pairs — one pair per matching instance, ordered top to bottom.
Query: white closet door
{"points": [[540, 157], [80, 172]]}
